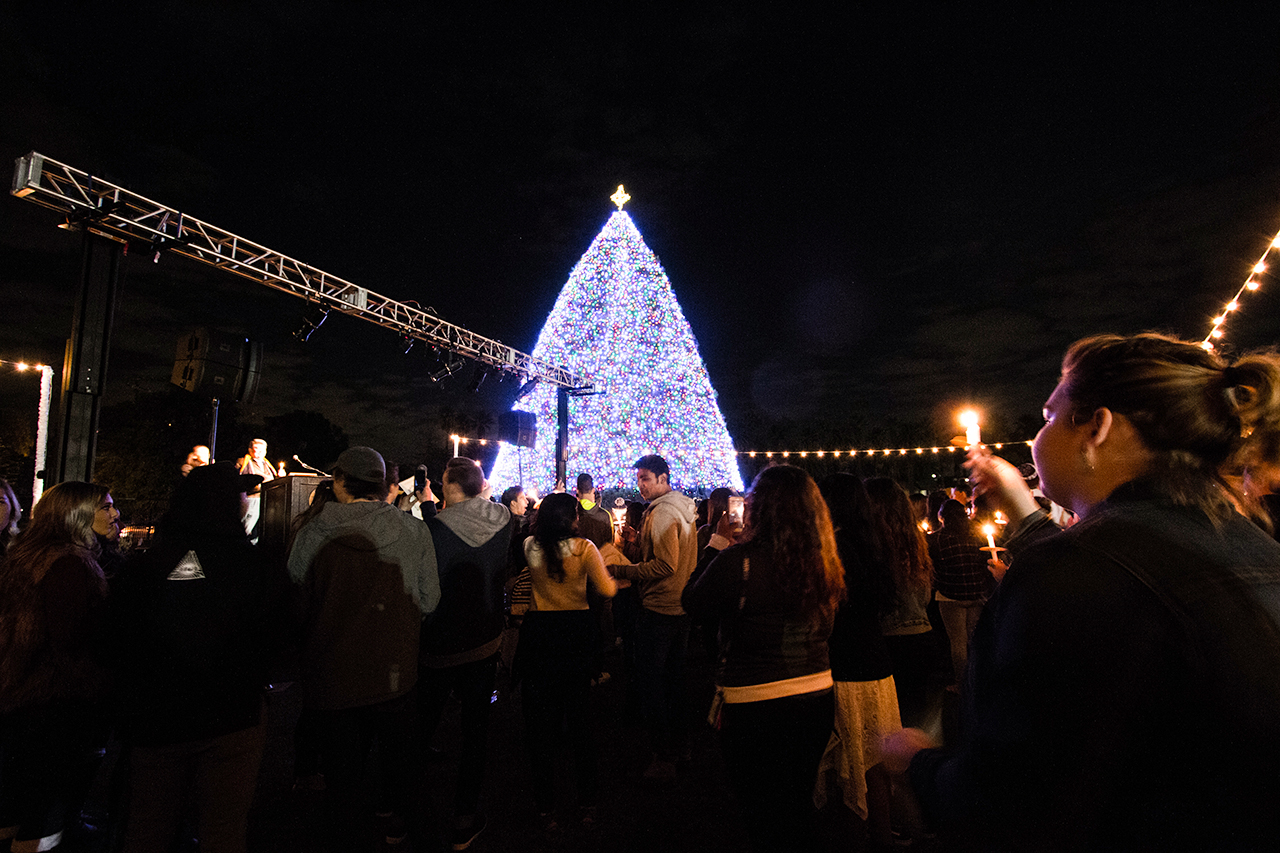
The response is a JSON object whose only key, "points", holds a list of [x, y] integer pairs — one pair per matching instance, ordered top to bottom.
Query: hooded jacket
{"points": [[472, 540], [669, 552], [368, 574], [196, 618]]}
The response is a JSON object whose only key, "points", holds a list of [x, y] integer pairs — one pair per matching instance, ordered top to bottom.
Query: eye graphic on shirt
{"points": [[188, 569]]}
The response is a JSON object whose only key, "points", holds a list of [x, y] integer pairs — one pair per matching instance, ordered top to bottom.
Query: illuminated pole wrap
{"points": [[617, 320], [42, 432]]}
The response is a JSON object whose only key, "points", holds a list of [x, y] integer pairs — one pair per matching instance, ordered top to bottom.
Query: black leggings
{"points": [[556, 657], [771, 753]]}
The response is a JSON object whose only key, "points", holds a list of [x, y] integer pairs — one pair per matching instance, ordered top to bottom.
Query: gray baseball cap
{"points": [[363, 463]]}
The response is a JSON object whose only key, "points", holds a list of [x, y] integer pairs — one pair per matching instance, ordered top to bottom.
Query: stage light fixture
{"points": [[310, 322], [446, 371], [477, 379], [526, 389]]}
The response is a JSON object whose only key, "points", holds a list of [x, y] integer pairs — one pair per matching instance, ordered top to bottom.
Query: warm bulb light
{"points": [[1260, 267], [1251, 284], [972, 432]]}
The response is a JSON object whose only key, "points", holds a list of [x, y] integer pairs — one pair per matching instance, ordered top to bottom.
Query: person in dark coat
{"points": [[195, 619], [1122, 690]]}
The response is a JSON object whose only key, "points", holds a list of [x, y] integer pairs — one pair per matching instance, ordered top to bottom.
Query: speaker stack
{"points": [[218, 365]]}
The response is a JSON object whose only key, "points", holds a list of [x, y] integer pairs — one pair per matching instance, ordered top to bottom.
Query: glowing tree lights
{"points": [[617, 321]]}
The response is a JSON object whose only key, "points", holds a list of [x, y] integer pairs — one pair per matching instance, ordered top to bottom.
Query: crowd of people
{"points": [[1117, 657]]}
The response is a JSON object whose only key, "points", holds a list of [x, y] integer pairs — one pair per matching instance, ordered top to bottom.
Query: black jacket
{"points": [[196, 621], [1123, 690]]}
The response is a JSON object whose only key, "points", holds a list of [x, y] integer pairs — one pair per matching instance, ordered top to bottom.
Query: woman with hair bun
{"points": [[52, 683], [1123, 689]]}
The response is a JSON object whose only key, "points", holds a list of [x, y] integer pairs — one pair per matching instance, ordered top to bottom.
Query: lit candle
{"points": [[972, 432], [991, 536]]}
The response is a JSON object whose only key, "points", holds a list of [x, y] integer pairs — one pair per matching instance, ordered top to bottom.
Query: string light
{"points": [[1251, 284], [617, 321], [22, 366], [42, 420], [483, 442], [853, 453]]}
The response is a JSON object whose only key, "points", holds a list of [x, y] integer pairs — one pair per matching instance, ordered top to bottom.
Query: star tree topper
{"points": [[620, 197]]}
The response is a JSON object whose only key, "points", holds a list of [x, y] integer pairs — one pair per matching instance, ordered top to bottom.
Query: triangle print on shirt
{"points": [[188, 569]]}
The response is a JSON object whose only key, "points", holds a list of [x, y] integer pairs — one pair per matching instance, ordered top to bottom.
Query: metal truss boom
{"points": [[119, 214]]}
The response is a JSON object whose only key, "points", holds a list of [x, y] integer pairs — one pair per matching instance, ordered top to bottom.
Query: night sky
{"points": [[869, 217]]}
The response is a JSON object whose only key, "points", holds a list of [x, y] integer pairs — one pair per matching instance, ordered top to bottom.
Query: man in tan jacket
{"points": [[668, 554]]}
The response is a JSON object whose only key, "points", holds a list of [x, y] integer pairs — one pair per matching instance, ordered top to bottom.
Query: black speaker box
{"points": [[218, 364], [518, 428]]}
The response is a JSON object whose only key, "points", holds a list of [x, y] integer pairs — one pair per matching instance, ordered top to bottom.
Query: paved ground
{"points": [[696, 813]]}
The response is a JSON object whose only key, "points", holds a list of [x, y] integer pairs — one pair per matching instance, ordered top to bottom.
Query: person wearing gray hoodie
{"points": [[668, 555], [367, 575], [462, 639]]}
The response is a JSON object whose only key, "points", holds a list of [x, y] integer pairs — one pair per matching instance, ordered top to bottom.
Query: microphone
{"points": [[309, 467]]}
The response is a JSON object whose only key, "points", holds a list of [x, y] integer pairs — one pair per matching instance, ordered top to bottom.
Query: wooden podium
{"points": [[282, 499]]}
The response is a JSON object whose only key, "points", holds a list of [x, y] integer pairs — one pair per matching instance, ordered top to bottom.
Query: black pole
{"points": [[84, 366], [213, 434], [562, 435]]}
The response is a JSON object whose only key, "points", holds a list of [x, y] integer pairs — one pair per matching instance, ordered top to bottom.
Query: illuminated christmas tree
{"points": [[617, 321]]}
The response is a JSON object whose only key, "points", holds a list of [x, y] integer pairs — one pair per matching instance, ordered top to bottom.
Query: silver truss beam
{"points": [[119, 214]]}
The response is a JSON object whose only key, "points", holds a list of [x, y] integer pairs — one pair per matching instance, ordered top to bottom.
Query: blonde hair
{"points": [[1198, 414], [61, 523], [10, 530]]}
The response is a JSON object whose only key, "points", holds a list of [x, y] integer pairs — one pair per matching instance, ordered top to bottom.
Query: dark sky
{"points": [[866, 215]]}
